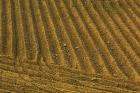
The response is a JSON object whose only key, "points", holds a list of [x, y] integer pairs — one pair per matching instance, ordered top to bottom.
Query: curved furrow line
{"points": [[137, 2], [134, 7], [101, 11], [132, 11], [96, 15], [132, 15], [115, 19], [133, 22], [18, 25], [125, 25], [1, 27], [114, 30], [93, 31], [7, 33], [14, 33], [29, 35], [51, 35], [16, 39], [42, 40], [100, 44], [55, 48], [67, 49], [82, 57], [95, 57], [121, 59], [5, 60], [84, 61], [10, 65], [111, 65], [31, 69], [34, 70], [64, 71], [33, 73], [98, 80], [11, 84], [19, 84], [73, 84], [93, 85], [67, 86], [8, 87], [55, 87], [24, 88], [84, 89], [5, 91]]}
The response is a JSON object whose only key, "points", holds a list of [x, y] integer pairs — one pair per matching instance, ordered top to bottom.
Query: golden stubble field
{"points": [[69, 46]]}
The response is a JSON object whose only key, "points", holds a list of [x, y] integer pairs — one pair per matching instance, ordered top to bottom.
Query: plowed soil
{"points": [[69, 46]]}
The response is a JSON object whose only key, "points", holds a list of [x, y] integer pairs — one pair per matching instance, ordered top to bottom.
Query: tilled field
{"points": [[69, 46]]}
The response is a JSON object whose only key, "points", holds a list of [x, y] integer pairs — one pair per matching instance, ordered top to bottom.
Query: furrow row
{"points": [[132, 13], [126, 25], [6, 28], [28, 30], [71, 37], [119, 38], [112, 44], [69, 81]]}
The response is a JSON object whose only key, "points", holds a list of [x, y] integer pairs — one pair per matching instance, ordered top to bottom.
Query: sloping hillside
{"points": [[69, 46]]}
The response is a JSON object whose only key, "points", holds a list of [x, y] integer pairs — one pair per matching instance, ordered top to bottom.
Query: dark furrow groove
{"points": [[136, 3], [134, 7], [133, 16], [116, 19], [124, 24], [60, 26], [1, 27], [7, 28], [63, 29], [95, 29], [29, 35], [120, 39], [44, 47], [20, 48], [103, 50], [115, 51], [92, 52], [57, 53], [132, 57], [70, 59], [93, 84]]}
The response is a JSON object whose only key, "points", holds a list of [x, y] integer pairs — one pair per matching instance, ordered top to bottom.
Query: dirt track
{"points": [[69, 46]]}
